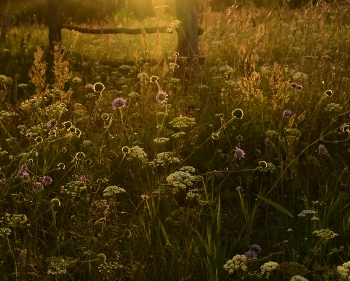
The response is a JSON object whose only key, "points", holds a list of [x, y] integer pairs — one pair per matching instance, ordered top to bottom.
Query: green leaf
{"points": [[277, 206]]}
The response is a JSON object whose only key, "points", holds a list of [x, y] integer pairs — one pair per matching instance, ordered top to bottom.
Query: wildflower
{"points": [[76, 80], [294, 85], [98, 87], [328, 93], [162, 97], [118, 102], [333, 107], [237, 113], [287, 113], [105, 116], [182, 122], [67, 124], [345, 128], [239, 138], [161, 140], [267, 141], [126, 150], [322, 150], [239, 153], [79, 156], [22, 173], [219, 175], [82, 179], [181, 179], [2, 180], [47, 180], [37, 186], [113, 190], [304, 213], [325, 234], [251, 254], [115, 255], [23, 256], [238, 262], [267, 267], [344, 270], [298, 278]]}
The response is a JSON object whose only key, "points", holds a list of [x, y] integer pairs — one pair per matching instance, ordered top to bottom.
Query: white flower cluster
{"points": [[299, 76], [333, 107], [6, 114], [182, 122], [292, 132], [271, 133], [178, 135], [161, 140], [136, 152], [164, 158], [181, 178], [73, 188], [113, 190], [194, 194], [304, 213], [15, 220], [5, 231], [325, 234], [238, 262], [59, 265], [109, 267], [267, 267], [344, 270], [298, 278]]}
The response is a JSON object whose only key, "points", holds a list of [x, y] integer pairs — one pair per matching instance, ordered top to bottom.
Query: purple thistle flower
{"points": [[294, 85], [162, 97], [118, 102], [287, 113], [267, 141], [322, 150], [239, 153], [22, 173], [219, 175], [82, 178], [2, 180], [47, 180], [37, 186], [256, 247], [251, 254], [115, 255], [23, 256]]}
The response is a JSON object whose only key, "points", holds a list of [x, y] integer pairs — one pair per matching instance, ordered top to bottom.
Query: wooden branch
{"points": [[149, 30]]}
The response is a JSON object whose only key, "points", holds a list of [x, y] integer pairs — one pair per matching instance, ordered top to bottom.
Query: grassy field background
{"points": [[228, 168]]}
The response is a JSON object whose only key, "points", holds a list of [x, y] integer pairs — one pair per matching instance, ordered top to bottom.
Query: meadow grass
{"points": [[236, 167]]}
